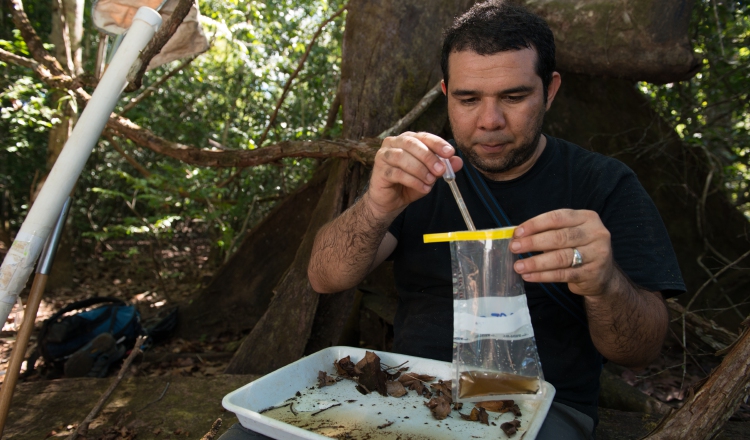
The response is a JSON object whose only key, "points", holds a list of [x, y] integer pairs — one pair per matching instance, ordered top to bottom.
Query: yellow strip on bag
{"points": [[487, 234]]}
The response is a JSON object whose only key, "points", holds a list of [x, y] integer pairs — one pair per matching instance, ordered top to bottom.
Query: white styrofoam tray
{"points": [[362, 416]]}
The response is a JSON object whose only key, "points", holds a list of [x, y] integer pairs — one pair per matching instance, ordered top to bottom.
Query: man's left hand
{"points": [[557, 234]]}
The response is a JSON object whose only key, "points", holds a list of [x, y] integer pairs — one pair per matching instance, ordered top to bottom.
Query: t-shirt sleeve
{"points": [[640, 242]]}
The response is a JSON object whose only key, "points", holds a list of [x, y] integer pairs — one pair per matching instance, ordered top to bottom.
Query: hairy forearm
{"points": [[345, 249], [627, 324]]}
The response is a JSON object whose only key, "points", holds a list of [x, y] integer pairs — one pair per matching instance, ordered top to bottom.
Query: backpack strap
{"points": [[479, 186], [84, 303]]}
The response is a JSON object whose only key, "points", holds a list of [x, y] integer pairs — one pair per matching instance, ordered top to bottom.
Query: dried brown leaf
{"points": [[345, 367], [371, 375], [408, 377], [325, 380], [395, 388], [443, 389], [439, 406], [500, 406], [515, 410], [483, 416], [510, 428]]}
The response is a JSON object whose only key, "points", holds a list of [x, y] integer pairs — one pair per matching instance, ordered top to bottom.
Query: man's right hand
{"points": [[406, 167], [346, 249]]}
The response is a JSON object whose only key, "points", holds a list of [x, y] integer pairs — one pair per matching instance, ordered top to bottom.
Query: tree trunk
{"points": [[66, 35], [643, 40], [400, 75], [240, 291], [281, 335]]}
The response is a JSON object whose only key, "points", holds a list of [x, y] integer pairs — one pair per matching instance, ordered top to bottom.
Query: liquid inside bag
{"points": [[494, 350]]}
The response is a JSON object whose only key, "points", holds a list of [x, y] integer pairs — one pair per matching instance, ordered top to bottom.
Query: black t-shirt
{"points": [[564, 176]]}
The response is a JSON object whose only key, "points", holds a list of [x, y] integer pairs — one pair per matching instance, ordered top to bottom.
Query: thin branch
{"points": [[718, 28], [65, 31], [165, 32], [32, 40], [101, 55], [19, 60], [297, 71], [60, 81], [152, 88], [333, 113], [414, 113], [362, 150], [127, 157], [242, 229], [714, 277], [712, 334], [685, 350], [163, 393], [84, 426], [214, 431]]}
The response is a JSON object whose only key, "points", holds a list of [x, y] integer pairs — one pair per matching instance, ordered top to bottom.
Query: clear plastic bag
{"points": [[494, 350]]}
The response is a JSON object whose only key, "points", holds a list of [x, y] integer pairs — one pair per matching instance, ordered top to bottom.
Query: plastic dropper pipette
{"points": [[450, 177]]}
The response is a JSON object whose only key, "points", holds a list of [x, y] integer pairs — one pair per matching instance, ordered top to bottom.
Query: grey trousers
{"points": [[562, 423]]}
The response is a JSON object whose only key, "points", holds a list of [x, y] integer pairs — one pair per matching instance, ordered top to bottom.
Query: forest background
{"points": [[224, 98], [160, 228]]}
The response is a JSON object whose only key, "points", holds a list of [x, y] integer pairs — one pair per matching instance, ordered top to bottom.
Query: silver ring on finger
{"points": [[577, 259]]}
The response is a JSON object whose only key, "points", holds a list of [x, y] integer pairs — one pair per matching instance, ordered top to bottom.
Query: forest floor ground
{"points": [[117, 270]]}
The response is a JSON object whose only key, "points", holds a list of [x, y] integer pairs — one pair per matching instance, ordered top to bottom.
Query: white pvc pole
{"points": [[19, 262]]}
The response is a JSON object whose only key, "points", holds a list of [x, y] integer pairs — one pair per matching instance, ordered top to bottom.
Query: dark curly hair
{"points": [[497, 26]]}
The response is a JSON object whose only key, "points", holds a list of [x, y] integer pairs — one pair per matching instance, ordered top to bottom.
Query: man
{"points": [[596, 258]]}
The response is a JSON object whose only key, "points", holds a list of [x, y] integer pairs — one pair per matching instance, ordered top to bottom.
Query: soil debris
{"points": [[385, 425]]}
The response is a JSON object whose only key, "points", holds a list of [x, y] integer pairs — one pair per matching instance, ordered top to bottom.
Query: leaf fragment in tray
{"points": [[325, 380], [395, 388], [439, 406], [500, 406], [477, 415], [510, 428]]}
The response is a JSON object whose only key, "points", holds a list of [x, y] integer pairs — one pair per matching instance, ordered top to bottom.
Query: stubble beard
{"points": [[513, 158]]}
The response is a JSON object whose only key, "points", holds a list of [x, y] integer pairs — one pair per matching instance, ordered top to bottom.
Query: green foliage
{"points": [[225, 96], [712, 110], [25, 118]]}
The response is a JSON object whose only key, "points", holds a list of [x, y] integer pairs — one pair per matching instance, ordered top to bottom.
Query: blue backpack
{"points": [[62, 336]]}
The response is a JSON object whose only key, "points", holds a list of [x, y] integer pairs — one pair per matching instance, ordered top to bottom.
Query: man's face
{"points": [[496, 108]]}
